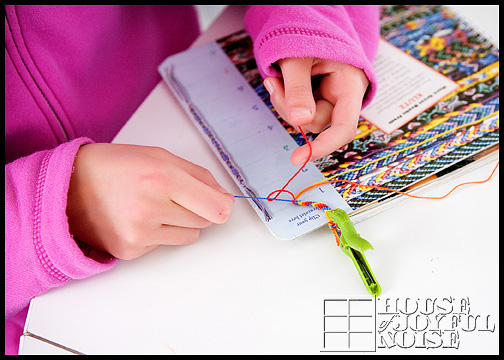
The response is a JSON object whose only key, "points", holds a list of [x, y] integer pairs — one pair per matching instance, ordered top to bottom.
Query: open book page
{"points": [[451, 117]]}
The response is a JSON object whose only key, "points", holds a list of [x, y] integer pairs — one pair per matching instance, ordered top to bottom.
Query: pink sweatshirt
{"points": [[75, 74]]}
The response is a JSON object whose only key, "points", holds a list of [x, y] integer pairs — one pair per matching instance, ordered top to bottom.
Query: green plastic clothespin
{"points": [[354, 246]]}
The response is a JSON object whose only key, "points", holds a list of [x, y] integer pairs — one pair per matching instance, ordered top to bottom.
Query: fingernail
{"points": [[268, 85], [300, 114], [298, 161], [224, 191]]}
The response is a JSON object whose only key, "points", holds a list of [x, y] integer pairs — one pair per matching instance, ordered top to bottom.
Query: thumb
{"points": [[299, 102]]}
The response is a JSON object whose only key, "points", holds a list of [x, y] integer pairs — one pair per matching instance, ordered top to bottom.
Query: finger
{"points": [[345, 80], [277, 95], [299, 102], [322, 118], [344, 121], [332, 139], [325, 143], [199, 173], [194, 188], [201, 199], [176, 215], [175, 235]]}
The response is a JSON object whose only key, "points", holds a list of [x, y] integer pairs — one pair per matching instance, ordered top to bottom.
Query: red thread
{"points": [[301, 168], [279, 191]]}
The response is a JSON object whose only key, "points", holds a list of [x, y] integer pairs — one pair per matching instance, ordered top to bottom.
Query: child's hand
{"points": [[337, 102], [127, 199]]}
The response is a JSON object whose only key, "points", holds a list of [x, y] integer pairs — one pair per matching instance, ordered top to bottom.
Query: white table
{"points": [[239, 290]]}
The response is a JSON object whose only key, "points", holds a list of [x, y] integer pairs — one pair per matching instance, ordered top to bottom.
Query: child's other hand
{"points": [[336, 102], [128, 200]]}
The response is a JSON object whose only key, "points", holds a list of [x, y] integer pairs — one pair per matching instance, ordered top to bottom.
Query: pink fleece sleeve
{"points": [[345, 33], [40, 253]]}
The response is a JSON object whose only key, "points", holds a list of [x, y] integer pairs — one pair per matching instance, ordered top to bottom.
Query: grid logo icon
{"points": [[349, 325]]}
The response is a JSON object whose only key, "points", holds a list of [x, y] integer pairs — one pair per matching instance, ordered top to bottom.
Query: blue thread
{"points": [[259, 198]]}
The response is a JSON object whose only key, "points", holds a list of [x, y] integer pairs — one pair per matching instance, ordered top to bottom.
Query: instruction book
{"points": [[436, 112]]}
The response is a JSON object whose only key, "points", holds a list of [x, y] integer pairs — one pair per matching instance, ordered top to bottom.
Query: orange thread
{"points": [[397, 191], [295, 197], [332, 225]]}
